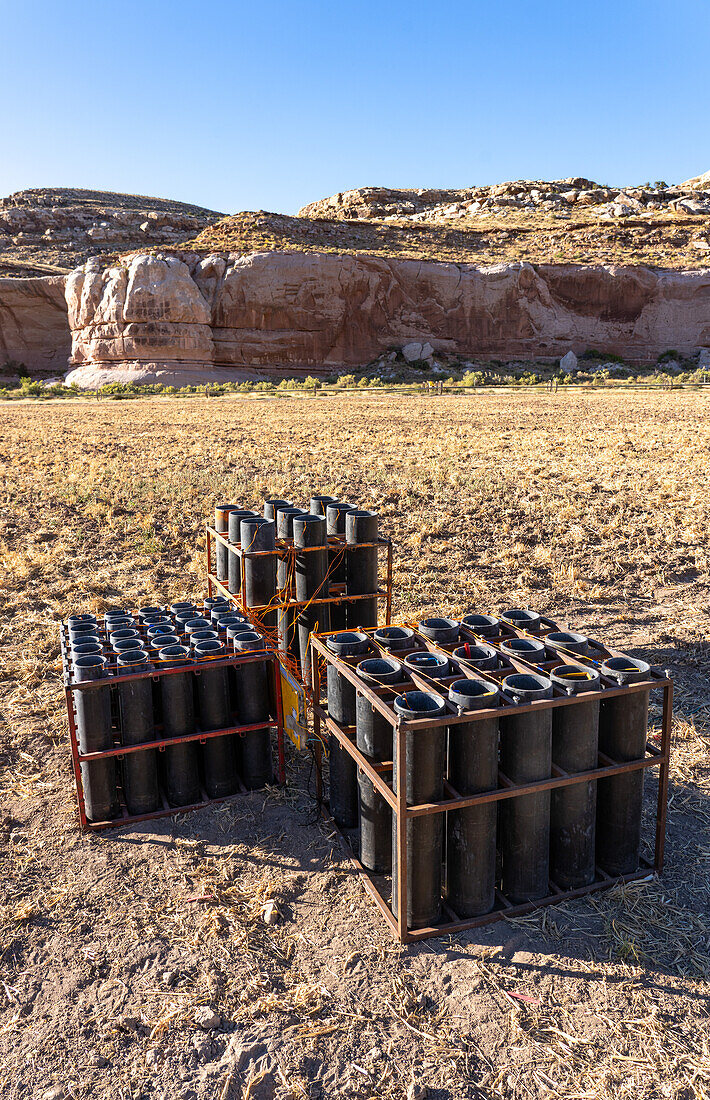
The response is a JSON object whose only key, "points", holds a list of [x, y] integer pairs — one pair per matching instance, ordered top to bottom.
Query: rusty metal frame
{"points": [[285, 551], [275, 722], [397, 922]]}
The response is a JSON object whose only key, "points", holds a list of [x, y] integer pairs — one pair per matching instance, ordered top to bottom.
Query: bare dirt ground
{"points": [[591, 507]]}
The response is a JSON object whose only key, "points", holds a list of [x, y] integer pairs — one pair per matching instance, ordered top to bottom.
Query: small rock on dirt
{"points": [[269, 913], [207, 1018], [417, 1091]]}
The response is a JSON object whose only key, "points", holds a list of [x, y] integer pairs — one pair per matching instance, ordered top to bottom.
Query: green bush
{"points": [[601, 356], [473, 378], [28, 388]]}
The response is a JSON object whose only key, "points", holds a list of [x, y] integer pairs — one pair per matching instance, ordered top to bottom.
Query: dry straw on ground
{"points": [[660, 239], [591, 507]]}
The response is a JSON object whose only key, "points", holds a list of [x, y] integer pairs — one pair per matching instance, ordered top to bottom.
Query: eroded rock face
{"points": [[283, 313], [145, 318], [33, 324]]}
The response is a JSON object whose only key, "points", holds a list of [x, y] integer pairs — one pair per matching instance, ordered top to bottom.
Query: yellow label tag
{"points": [[293, 700]]}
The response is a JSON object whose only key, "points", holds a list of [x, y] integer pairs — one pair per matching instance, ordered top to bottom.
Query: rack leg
{"points": [[280, 720], [317, 746], [662, 807], [402, 875]]}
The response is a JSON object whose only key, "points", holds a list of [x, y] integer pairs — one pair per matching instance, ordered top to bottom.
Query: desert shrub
{"points": [[600, 356], [28, 388]]}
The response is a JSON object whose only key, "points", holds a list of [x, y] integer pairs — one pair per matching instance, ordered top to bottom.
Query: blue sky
{"points": [[270, 104]]}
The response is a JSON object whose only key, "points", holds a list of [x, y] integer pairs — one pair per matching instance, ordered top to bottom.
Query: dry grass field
{"points": [[660, 239], [592, 507]]}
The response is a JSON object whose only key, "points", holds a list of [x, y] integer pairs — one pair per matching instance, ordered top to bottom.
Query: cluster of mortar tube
{"points": [[309, 574], [150, 709], [525, 841]]}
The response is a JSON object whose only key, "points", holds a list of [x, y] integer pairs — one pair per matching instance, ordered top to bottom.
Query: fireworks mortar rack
{"points": [[300, 571], [163, 716], [486, 767]]}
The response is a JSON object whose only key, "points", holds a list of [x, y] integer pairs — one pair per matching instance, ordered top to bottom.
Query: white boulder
{"points": [[417, 352]]}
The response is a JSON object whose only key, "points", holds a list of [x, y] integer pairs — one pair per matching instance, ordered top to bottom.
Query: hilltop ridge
{"points": [[51, 230]]}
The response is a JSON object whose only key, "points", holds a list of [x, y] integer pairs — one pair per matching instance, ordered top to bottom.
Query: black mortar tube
{"points": [[319, 504], [273, 505], [335, 514], [221, 526], [259, 534], [234, 566], [361, 567], [310, 571], [211, 602], [182, 605], [115, 613], [150, 613], [81, 617], [521, 619], [486, 626], [439, 629], [80, 630], [153, 630], [288, 635], [201, 636], [395, 638], [83, 639], [161, 641], [568, 641], [125, 645], [85, 649], [527, 649], [479, 656], [434, 665], [135, 706], [253, 706], [341, 708], [623, 723], [93, 724], [374, 740], [575, 746], [219, 754], [526, 755], [182, 773], [424, 777], [471, 832]]}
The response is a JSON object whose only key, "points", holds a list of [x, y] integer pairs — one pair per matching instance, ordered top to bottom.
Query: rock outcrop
{"points": [[543, 196], [56, 228], [184, 318], [146, 319], [34, 331]]}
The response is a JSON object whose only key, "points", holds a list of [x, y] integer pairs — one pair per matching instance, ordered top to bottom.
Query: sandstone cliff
{"points": [[184, 318], [33, 324]]}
